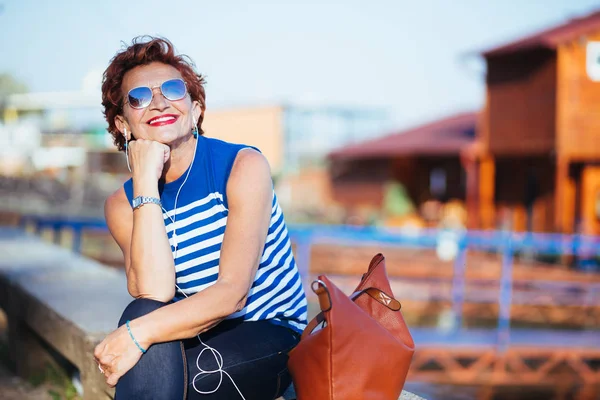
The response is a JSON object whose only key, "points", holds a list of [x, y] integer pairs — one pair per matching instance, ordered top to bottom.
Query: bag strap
{"points": [[321, 290], [380, 296], [319, 318]]}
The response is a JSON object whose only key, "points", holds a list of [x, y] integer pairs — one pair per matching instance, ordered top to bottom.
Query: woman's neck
{"points": [[180, 159]]}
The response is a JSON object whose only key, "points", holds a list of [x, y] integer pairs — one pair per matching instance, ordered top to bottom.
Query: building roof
{"points": [[552, 37], [444, 137]]}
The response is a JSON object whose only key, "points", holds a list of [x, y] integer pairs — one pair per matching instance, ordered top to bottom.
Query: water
{"points": [[431, 391]]}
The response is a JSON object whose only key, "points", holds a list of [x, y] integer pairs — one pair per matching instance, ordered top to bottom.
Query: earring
{"points": [[126, 149]]}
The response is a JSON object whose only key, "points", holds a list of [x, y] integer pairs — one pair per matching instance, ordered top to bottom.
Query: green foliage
{"points": [[10, 85], [396, 201], [37, 379], [57, 381], [61, 383], [54, 394]]}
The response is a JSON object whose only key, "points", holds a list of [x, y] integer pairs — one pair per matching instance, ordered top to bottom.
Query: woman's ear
{"points": [[197, 111], [122, 125]]}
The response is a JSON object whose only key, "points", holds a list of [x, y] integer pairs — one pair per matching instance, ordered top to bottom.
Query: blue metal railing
{"points": [[59, 223], [304, 236], [504, 243]]}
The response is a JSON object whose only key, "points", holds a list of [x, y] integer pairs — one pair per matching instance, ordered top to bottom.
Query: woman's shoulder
{"points": [[235, 160], [250, 161], [116, 200]]}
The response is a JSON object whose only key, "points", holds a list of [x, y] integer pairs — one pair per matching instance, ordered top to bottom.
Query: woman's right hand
{"points": [[147, 158]]}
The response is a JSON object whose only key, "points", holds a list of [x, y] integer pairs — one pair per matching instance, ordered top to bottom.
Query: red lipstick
{"points": [[165, 119]]}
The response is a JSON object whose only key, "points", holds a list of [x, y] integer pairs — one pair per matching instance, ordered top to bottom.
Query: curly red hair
{"points": [[142, 51]]}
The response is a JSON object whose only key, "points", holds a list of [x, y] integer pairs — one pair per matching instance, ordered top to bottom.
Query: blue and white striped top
{"points": [[200, 219]]}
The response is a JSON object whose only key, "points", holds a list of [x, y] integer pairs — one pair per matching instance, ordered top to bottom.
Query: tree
{"points": [[9, 85]]}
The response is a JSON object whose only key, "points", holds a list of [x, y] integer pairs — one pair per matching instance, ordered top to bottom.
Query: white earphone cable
{"points": [[126, 149], [174, 217], [215, 352], [219, 370]]}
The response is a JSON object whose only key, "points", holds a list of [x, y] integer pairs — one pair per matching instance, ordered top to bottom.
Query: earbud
{"points": [[194, 126], [126, 149]]}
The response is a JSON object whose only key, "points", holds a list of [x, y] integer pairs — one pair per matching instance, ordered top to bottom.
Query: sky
{"points": [[417, 60]]}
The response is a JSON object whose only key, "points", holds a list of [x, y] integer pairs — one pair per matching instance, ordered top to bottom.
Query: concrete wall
{"points": [[261, 127]]}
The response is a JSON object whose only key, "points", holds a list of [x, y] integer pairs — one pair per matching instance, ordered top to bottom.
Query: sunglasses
{"points": [[141, 97]]}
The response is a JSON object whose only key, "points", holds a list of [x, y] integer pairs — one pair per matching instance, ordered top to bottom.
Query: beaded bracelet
{"points": [[134, 341]]}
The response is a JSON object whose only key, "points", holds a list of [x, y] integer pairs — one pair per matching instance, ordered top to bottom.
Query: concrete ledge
{"points": [[68, 301]]}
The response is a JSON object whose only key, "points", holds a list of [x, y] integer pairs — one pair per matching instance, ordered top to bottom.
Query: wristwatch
{"points": [[141, 200]]}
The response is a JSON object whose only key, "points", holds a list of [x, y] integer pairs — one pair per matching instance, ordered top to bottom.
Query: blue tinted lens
{"points": [[173, 89], [140, 97]]}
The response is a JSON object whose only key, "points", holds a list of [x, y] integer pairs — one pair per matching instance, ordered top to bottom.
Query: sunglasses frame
{"points": [[152, 93]]}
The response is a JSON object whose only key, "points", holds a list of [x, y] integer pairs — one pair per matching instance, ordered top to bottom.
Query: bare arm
{"points": [[250, 194], [143, 240]]}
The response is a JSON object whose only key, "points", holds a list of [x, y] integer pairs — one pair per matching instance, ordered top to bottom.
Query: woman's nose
{"points": [[159, 102]]}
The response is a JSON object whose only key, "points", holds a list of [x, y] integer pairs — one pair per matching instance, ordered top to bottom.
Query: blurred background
{"points": [[461, 139]]}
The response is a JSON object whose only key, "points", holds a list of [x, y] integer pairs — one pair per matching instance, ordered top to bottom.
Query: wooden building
{"points": [[539, 137], [425, 159], [534, 163]]}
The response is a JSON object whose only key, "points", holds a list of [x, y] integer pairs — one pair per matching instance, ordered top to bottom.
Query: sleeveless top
{"points": [[200, 218]]}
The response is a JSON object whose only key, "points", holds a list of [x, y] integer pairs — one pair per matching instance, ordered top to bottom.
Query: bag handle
{"points": [[324, 302]]}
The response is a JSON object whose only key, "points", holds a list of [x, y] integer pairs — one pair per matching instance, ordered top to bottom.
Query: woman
{"points": [[218, 298]]}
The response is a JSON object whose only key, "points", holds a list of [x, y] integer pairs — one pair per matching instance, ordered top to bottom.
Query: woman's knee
{"points": [[138, 308], [159, 374]]}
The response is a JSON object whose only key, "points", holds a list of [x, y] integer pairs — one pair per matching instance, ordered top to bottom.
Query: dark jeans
{"points": [[254, 354]]}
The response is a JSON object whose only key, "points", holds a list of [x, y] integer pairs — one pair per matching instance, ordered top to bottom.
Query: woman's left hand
{"points": [[116, 355]]}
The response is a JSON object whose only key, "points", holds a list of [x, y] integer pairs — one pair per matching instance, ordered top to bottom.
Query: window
{"points": [[437, 182]]}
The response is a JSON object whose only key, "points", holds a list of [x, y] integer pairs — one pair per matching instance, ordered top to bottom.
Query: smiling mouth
{"points": [[163, 120]]}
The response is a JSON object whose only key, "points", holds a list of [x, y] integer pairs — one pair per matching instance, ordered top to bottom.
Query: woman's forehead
{"points": [[151, 75]]}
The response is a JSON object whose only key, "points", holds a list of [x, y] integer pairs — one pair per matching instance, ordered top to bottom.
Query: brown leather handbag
{"points": [[364, 349]]}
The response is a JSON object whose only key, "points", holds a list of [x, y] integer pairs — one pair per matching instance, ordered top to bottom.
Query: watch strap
{"points": [[141, 200]]}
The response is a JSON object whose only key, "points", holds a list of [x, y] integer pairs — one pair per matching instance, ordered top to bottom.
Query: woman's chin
{"points": [[168, 137]]}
